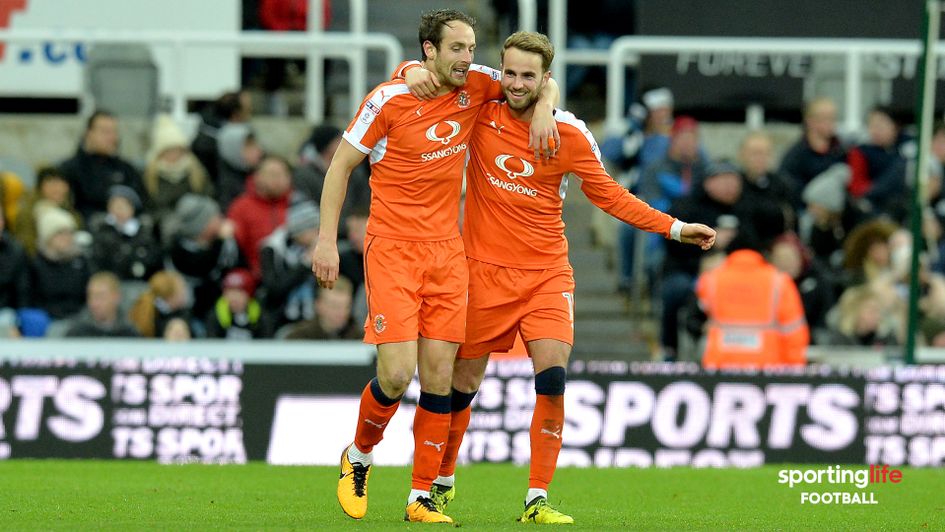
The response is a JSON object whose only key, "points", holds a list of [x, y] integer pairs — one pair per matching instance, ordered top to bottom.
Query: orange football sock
{"points": [[376, 410], [459, 421], [547, 424], [431, 430]]}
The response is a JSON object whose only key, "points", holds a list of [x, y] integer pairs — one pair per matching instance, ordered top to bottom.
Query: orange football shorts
{"points": [[415, 289], [503, 301]]}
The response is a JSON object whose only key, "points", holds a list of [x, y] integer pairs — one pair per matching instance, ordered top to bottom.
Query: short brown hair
{"points": [[432, 22], [534, 42], [108, 279]]}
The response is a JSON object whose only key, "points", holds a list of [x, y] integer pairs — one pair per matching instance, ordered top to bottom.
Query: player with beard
{"points": [[415, 266], [520, 279]]}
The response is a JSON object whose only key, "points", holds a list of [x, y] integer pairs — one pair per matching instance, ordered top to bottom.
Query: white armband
{"points": [[675, 231]]}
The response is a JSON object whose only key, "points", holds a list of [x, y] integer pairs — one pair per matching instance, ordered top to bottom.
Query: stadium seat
{"points": [[122, 78]]}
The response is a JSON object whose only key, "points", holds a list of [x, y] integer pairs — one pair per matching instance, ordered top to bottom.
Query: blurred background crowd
{"points": [[208, 233]]}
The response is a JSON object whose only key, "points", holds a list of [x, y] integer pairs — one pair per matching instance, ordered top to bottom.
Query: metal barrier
{"points": [[350, 46], [624, 50]]}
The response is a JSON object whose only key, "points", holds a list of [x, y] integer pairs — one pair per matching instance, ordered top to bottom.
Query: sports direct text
{"points": [[836, 475]]}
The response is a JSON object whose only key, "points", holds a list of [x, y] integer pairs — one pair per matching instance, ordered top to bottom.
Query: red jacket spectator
{"points": [[289, 15], [259, 210]]}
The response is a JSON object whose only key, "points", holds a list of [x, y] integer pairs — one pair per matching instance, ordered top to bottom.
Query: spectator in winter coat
{"points": [[235, 107], [819, 148], [240, 154], [96, 166], [172, 171], [52, 190], [259, 210], [122, 242], [203, 248], [287, 266], [14, 271], [60, 271], [237, 315], [101, 317], [332, 320]]}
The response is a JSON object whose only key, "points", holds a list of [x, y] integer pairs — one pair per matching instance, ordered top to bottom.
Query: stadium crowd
{"points": [[833, 213], [212, 238]]}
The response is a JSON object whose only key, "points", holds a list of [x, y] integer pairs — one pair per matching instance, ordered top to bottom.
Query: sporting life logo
{"points": [[839, 476]]}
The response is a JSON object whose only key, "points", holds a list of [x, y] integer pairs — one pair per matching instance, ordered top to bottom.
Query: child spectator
{"points": [[122, 242], [60, 271], [237, 315]]}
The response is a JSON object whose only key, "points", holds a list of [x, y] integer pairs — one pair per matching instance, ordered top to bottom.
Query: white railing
{"points": [[527, 15], [348, 46], [625, 49], [315, 69]]}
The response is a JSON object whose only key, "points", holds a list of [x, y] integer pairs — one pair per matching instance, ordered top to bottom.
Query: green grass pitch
{"points": [[113, 495]]}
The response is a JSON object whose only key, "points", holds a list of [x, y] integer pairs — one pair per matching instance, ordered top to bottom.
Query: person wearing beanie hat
{"points": [[165, 135], [240, 154], [172, 169], [828, 189], [128, 193], [193, 214], [302, 217], [51, 223], [122, 242], [202, 247], [285, 262], [59, 270], [239, 279], [237, 315]]}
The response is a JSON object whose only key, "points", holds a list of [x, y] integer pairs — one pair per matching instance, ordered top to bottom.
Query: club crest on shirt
{"points": [[463, 99], [380, 323]]}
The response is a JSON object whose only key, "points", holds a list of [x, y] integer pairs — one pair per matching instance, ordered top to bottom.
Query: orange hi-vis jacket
{"points": [[756, 318]]}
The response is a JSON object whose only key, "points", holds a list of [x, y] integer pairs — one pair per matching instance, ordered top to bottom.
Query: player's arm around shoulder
{"points": [[543, 135]]}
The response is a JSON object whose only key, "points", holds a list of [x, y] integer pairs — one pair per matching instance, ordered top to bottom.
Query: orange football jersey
{"points": [[417, 150], [513, 203]]}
